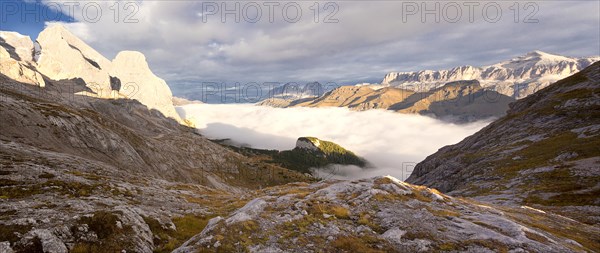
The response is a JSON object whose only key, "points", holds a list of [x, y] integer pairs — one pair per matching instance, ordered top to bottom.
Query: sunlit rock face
{"points": [[19, 46], [16, 55], [59, 55], [64, 56], [138, 82], [308, 144]]}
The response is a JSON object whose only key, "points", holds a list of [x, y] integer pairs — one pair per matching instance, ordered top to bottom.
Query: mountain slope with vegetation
{"points": [[309, 153], [544, 153]]}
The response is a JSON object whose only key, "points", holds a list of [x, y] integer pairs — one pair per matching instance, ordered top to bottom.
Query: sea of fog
{"points": [[392, 142]]}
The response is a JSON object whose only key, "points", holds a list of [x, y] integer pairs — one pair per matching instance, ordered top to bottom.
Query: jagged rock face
{"points": [[19, 46], [60, 55], [64, 56], [16, 59], [22, 72], [516, 78], [141, 84], [308, 144], [544, 153], [384, 214]]}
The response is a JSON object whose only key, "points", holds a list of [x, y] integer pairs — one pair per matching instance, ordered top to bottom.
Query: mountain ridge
{"points": [[517, 78]]}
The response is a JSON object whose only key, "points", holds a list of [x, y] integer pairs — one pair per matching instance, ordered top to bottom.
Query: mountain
{"points": [[60, 55], [16, 59], [517, 78], [293, 91], [484, 92], [289, 93], [358, 98], [461, 101], [309, 153], [543, 153], [87, 167], [84, 172], [533, 175], [383, 214]]}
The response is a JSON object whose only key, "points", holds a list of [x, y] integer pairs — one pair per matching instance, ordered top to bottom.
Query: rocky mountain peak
{"points": [[19, 47], [58, 54], [16, 55], [64, 56], [132, 59], [138, 82], [309, 143]]}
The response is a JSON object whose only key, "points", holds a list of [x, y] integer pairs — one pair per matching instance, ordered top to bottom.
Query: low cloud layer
{"points": [[392, 142]]}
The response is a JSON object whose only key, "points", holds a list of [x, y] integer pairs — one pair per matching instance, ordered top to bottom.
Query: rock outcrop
{"points": [[64, 56], [16, 59], [515, 78], [138, 82], [309, 153], [544, 153], [383, 214]]}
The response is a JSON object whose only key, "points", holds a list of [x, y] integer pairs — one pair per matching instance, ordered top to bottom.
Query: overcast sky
{"points": [[187, 43]]}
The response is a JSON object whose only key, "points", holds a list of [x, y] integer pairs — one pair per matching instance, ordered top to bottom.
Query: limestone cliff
{"points": [[58, 55]]}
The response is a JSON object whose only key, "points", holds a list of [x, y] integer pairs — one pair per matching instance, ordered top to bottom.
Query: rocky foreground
{"points": [[384, 214]]}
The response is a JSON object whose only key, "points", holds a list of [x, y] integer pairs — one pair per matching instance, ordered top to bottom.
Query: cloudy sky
{"points": [[346, 42]]}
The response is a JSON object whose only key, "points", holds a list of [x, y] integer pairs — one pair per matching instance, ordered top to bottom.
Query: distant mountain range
{"points": [[517, 78], [460, 94]]}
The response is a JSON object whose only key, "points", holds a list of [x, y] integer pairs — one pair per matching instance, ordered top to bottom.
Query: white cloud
{"points": [[369, 40], [393, 142]]}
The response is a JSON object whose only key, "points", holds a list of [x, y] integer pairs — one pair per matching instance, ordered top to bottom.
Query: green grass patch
{"points": [[166, 240]]}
